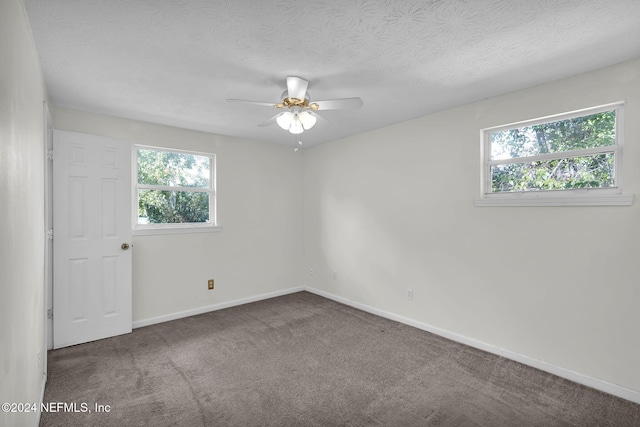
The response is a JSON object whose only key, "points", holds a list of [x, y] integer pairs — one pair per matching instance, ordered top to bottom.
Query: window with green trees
{"points": [[573, 151], [174, 187]]}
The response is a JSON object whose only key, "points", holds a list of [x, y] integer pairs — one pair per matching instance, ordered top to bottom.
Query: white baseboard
{"points": [[214, 307], [614, 389]]}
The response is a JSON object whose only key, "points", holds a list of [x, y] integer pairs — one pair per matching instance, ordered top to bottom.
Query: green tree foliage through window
{"points": [[566, 154], [173, 187]]}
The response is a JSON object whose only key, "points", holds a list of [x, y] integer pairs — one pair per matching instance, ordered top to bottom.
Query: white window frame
{"points": [[610, 196], [145, 229]]}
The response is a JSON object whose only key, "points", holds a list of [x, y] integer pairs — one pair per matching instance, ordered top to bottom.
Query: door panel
{"points": [[92, 205]]}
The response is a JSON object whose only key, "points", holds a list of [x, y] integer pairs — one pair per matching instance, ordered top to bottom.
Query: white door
{"points": [[91, 238]]}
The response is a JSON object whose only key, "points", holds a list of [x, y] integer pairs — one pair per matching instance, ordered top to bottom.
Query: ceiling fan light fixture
{"points": [[307, 119], [285, 120], [296, 126]]}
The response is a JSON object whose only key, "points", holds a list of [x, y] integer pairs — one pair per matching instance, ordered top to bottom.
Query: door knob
{"points": [[125, 246]]}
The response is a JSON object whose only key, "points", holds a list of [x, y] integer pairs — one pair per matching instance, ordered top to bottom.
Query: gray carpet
{"points": [[302, 360]]}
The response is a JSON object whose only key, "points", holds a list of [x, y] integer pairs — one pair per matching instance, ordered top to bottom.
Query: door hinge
{"points": [[50, 154], [50, 234], [50, 313]]}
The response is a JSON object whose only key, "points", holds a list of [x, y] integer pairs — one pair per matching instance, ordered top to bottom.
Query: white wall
{"points": [[393, 209], [21, 215], [258, 250]]}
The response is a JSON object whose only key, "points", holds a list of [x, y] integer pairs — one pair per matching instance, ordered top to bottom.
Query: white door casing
{"points": [[48, 227], [92, 265]]}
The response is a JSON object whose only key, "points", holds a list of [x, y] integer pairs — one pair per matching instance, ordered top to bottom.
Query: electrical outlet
{"points": [[311, 271], [334, 275], [210, 284], [409, 294]]}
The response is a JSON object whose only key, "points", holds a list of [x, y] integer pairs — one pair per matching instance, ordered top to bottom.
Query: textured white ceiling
{"points": [[175, 62]]}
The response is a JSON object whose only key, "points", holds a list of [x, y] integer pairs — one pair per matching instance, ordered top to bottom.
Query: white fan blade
{"points": [[296, 87], [265, 104], [339, 104], [319, 118], [269, 121]]}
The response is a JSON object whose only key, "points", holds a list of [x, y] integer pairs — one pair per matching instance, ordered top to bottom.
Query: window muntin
{"points": [[579, 150], [173, 188]]}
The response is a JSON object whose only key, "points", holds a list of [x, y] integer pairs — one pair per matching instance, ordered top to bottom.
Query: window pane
{"points": [[596, 130], [172, 169], [570, 173], [171, 207]]}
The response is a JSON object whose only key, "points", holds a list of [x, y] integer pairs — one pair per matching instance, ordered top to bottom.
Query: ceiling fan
{"points": [[299, 113]]}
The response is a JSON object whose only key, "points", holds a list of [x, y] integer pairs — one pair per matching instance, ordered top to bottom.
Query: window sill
{"points": [[529, 200], [174, 230]]}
